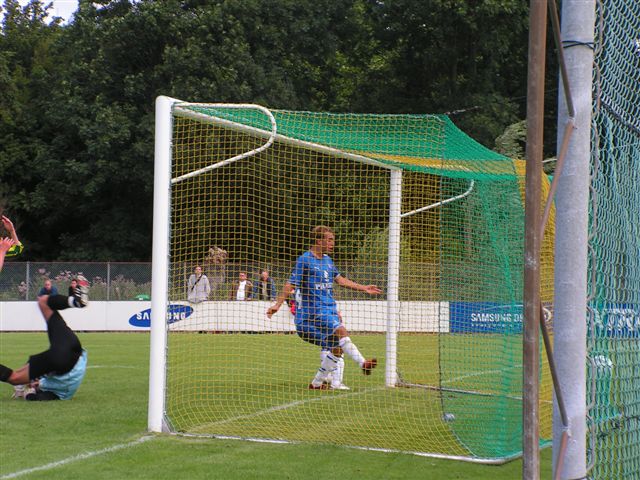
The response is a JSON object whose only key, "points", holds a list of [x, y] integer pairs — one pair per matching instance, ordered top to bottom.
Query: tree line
{"points": [[77, 98]]}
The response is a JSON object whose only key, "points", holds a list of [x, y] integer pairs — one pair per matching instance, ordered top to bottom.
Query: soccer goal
{"points": [[418, 208]]}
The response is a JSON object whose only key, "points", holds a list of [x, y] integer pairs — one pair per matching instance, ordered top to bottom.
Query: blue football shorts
{"points": [[318, 329]]}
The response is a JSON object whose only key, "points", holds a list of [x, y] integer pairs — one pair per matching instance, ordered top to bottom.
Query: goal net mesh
{"points": [[613, 314], [231, 371]]}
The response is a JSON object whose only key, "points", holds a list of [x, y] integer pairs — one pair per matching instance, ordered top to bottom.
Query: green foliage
{"points": [[77, 100], [511, 142], [375, 248], [121, 288]]}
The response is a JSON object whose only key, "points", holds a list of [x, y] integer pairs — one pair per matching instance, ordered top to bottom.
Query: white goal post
{"points": [[419, 208], [161, 218]]}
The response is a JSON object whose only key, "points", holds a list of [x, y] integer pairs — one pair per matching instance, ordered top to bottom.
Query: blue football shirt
{"points": [[313, 278]]}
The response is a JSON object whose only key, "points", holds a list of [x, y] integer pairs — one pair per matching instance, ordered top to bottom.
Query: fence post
{"points": [[108, 280], [28, 281]]}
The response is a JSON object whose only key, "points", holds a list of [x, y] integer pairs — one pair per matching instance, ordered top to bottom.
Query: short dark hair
{"points": [[318, 232]]}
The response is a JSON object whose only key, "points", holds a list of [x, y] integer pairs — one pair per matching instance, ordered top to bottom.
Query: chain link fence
{"points": [[113, 281]]}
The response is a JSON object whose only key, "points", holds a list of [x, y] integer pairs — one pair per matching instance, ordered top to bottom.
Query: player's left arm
{"points": [[345, 282]]}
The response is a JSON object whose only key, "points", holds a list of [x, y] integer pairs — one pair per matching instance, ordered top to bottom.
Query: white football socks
{"points": [[350, 349], [323, 355], [327, 366], [338, 373]]}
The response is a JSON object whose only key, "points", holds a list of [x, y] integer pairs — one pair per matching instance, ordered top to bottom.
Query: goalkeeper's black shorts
{"points": [[63, 353]]}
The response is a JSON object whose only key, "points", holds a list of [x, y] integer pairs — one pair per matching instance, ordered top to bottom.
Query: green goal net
{"points": [[419, 209], [613, 318]]}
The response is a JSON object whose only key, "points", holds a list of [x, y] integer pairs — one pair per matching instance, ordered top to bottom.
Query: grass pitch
{"points": [[255, 386], [101, 433]]}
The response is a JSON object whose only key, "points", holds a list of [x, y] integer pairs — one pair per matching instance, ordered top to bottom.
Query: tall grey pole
{"points": [[532, 213], [28, 281], [108, 281], [570, 322]]}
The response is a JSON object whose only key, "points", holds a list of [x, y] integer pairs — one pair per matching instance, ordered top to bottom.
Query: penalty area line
{"points": [[76, 458]]}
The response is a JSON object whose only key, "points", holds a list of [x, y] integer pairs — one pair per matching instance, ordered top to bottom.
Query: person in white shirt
{"points": [[198, 286], [241, 289]]}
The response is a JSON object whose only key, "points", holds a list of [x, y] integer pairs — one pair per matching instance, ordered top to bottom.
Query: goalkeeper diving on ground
{"points": [[317, 320], [56, 373]]}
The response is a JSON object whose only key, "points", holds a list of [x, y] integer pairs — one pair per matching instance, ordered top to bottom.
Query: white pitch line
{"points": [[112, 366], [485, 372], [480, 374], [286, 406], [76, 458]]}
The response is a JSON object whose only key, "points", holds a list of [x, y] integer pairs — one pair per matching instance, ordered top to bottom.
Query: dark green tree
{"points": [[441, 55], [27, 65], [77, 100]]}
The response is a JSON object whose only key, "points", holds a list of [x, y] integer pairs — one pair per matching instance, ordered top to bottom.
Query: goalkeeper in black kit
{"points": [[56, 373]]}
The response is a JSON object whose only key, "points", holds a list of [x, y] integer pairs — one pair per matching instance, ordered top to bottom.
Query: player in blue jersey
{"points": [[317, 320], [56, 373]]}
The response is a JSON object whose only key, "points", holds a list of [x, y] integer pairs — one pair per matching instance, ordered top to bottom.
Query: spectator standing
{"points": [[72, 286], [198, 286], [265, 287], [48, 289], [241, 289]]}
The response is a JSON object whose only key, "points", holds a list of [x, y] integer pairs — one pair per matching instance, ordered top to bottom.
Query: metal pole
{"points": [[534, 155], [160, 266], [393, 278], [108, 280], [28, 281], [570, 322], [559, 396]]}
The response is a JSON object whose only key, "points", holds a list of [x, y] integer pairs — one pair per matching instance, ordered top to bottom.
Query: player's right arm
{"points": [[5, 245], [17, 247], [295, 279], [286, 291]]}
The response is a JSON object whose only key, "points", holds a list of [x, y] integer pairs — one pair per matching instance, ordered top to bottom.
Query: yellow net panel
{"points": [[457, 386]]}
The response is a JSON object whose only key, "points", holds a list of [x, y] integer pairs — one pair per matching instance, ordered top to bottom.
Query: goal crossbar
{"points": [[181, 111]]}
